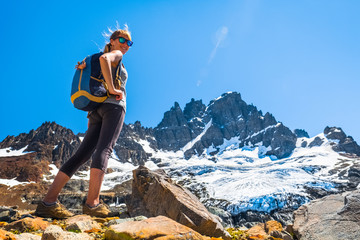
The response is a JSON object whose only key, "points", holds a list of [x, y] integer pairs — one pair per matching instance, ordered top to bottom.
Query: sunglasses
{"points": [[123, 40]]}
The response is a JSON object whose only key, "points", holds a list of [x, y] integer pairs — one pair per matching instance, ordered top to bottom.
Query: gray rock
{"points": [[317, 142], [354, 172], [351, 210], [8, 214], [225, 216], [334, 217], [118, 221], [81, 223], [54, 232], [27, 236]]}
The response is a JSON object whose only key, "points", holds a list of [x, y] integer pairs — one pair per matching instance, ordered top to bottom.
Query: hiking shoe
{"points": [[101, 210], [57, 211]]}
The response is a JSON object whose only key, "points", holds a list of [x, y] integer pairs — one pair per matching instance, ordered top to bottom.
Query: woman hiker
{"points": [[104, 128]]}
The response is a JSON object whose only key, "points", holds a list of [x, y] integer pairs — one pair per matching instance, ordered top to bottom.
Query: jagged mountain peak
{"points": [[225, 96], [176, 107], [194, 109], [173, 118], [223, 118], [194, 130], [47, 133], [300, 133], [335, 133], [332, 136], [344, 143], [32, 152]]}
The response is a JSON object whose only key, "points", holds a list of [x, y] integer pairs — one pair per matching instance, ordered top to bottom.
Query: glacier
{"points": [[242, 179]]}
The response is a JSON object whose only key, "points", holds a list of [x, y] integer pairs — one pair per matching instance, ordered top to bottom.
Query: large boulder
{"points": [[154, 194], [334, 217]]}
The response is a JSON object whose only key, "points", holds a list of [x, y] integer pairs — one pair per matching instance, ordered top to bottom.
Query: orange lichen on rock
{"points": [[28, 225]]}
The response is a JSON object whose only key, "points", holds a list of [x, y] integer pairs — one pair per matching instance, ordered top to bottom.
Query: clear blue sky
{"points": [[299, 60]]}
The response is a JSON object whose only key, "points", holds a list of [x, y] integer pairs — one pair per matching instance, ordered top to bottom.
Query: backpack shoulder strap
{"points": [[118, 70], [117, 77]]}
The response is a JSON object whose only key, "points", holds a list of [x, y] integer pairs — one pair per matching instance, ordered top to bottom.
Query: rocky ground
{"points": [[158, 208], [30, 227]]}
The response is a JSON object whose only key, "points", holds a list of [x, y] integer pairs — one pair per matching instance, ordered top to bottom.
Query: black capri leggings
{"points": [[105, 125]]}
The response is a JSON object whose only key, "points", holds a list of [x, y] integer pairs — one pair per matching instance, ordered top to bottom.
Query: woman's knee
{"points": [[100, 158]]}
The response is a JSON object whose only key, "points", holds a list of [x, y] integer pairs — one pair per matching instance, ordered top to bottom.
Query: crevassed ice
{"points": [[250, 182]]}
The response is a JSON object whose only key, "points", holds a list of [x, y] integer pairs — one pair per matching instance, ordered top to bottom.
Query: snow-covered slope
{"points": [[241, 179]]}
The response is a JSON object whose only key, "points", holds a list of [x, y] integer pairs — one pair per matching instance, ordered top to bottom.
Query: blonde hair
{"points": [[113, 34]]}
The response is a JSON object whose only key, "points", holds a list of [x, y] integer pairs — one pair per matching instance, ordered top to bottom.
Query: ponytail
{"points": [[107, 48]]}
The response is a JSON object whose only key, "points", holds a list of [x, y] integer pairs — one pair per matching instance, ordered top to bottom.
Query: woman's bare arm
{"points": [[106, 60]]}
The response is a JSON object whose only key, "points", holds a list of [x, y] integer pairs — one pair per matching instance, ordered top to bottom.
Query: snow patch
{"points": [[196, 119], [262, 131], [190, 144], [146, 146], [9, 152], [12, 182]]}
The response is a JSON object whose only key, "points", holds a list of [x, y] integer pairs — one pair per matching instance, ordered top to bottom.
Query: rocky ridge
{"points": [[224, 118], [199, 127], [194, 129], [50, 143]]}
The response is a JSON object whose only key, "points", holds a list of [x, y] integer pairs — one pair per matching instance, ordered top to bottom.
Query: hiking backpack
{"points": [[89, 88]]}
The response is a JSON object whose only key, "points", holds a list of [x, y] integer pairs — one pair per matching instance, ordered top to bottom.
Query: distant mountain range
{"points": [[232, 156]]}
